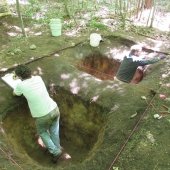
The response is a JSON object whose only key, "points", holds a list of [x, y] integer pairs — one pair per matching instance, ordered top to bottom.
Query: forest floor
{"points": [[149, 148]]}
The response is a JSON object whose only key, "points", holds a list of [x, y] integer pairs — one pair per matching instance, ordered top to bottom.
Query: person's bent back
{"points": [[131, 62], [43, 109]]}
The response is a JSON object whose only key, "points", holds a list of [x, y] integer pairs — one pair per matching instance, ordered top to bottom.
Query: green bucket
{"points": [[55, 27]]}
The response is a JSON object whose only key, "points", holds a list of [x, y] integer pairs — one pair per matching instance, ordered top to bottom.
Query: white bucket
{"points": [[55, 26], [95, 39]]}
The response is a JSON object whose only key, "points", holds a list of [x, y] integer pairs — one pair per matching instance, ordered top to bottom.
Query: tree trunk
{"points": [[148, 4], [116, 6], [120, 7], [130, 7], [138, 8], [66, 9], [68, 12], [141, 12], [153, 15], [20, 17], [149, 17]]}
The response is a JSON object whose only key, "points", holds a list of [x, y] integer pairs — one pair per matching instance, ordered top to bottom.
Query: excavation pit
{"points": [[100, 66], [103, 67], [80, 124]]}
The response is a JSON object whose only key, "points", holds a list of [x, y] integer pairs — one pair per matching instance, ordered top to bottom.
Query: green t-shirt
{"points": [[129, 65], [34, 90]]}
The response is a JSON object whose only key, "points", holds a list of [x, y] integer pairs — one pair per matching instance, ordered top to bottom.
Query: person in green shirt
{"points": [[132, 62], [43, 109]]}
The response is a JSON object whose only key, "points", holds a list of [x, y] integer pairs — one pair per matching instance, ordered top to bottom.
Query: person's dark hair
{"points": [[135, 48], [132, 52], [23, 71]]}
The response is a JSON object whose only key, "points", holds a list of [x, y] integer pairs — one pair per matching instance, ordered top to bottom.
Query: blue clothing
{"points": [[48, 130]]}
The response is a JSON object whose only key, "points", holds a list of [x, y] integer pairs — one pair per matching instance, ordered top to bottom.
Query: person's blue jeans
{"points": [[48, 130]]}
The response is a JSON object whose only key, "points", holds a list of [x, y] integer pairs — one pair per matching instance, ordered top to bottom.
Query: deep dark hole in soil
{"points": [[100, 66], [80, 124]]}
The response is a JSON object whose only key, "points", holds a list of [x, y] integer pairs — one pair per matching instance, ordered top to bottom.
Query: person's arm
{"points": [[151, 61], [17, 91], [14, 93]]}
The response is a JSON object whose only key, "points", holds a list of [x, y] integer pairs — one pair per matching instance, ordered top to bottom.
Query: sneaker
{"points": [[65, 156], [61, 157], [55, 158]]}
